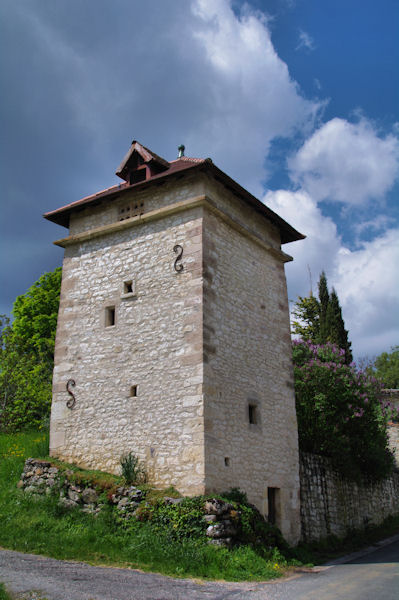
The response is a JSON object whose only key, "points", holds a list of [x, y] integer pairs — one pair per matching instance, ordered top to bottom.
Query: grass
{"points": [[42, 527], [3, 594]]}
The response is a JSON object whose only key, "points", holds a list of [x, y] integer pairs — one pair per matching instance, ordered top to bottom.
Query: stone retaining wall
{"points": [[393, 436], [42, 478], [331, 504]]}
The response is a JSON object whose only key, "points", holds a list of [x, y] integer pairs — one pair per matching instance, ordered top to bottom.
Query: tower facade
{"points": [[173, 336]]}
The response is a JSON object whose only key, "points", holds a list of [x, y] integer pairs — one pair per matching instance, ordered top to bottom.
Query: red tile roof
{"points": [[184, 164]]}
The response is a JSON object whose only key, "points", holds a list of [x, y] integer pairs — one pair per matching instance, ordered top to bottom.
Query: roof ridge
{"points": [[188, 159]]}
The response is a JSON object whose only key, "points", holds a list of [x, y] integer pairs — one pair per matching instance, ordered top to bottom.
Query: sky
{"points": [[297, 100]]}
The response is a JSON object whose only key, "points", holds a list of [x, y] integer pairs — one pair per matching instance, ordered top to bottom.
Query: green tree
{"points": [[324, 300], [307, 317], [320, 320], [335, 327], [27, 354], [386, 367], [340, 413]]}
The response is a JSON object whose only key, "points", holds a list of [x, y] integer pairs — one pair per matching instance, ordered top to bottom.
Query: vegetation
{"points": [[320, 320], [26, 355], [386, 368], [340, 414], [132, 470], [166, 539], [332, 546], [3, 593]]}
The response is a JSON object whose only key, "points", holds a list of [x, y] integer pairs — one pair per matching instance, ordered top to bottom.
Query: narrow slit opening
{"points": [[110, 316]]}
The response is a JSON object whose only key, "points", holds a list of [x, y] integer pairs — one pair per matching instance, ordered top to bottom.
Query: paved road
{"points": [[374, 576]]}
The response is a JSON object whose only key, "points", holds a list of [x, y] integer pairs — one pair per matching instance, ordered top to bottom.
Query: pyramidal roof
{"points": [[141, 167]]}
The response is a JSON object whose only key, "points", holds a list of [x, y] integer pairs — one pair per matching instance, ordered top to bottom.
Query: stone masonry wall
{"points": [[158, 197], [155, 344], [200, 345], [247, 360], [393, 436], [331, 504], [221, 520]]}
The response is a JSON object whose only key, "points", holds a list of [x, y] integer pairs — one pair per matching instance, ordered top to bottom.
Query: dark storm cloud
{"points": [[71, 72], [82, 79]]}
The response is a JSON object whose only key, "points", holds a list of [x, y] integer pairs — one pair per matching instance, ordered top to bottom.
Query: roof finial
{"points": [[181, 149]]}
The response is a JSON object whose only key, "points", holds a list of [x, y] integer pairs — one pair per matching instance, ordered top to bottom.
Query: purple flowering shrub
{"points": [[340, 414]]}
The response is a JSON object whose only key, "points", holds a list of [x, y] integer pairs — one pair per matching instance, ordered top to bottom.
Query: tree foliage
{"points": [[320, 320], [27, 354], [386, 367], [340, 413]]}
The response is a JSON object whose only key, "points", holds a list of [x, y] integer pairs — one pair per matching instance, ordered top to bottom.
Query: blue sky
{"points": [[296, 99]]}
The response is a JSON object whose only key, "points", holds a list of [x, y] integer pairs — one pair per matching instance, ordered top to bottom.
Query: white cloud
{"points": [[305, 41], [196, 72], [209, 78], [317, 84], [254, 99], [347, 162], [379, 223], [320, 248], [366, 278], [367, 282]]}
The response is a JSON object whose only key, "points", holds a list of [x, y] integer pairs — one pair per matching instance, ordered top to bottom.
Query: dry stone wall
{"points": [[393, 436], [333, 505], [221, 520]]}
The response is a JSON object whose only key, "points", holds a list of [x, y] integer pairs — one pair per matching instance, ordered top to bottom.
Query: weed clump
{"points": [[133, 471]]}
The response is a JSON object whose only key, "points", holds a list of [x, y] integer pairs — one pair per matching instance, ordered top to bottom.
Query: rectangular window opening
{"points": [[128, 287], [110, 316], [133, 391], [252, 414], [227, 461], [272, 499]]}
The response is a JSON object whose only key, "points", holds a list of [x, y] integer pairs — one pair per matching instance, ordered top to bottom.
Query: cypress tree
{"points": [[324, 297], [321, 320], [337, 334]]}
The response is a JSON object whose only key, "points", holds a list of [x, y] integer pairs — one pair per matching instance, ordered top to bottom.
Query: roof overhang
{"points": [[176, 169]]}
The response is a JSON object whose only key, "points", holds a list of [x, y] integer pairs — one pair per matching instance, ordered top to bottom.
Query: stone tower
{"points": [[173, 335]]}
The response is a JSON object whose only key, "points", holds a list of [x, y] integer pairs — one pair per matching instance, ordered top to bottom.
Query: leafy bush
{"points": [[26, 355], [386, 367], [339, 411], [132, 469], [235, 495], [181, 520], [42, 527]]}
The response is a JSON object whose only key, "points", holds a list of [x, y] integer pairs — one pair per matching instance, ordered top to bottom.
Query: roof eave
{"points": [[287, 232]]}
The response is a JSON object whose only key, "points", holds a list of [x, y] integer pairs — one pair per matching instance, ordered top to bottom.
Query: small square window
{"points": [[128, 288], [110, 316], [133, 391], [252, 414], [226, 461]]}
